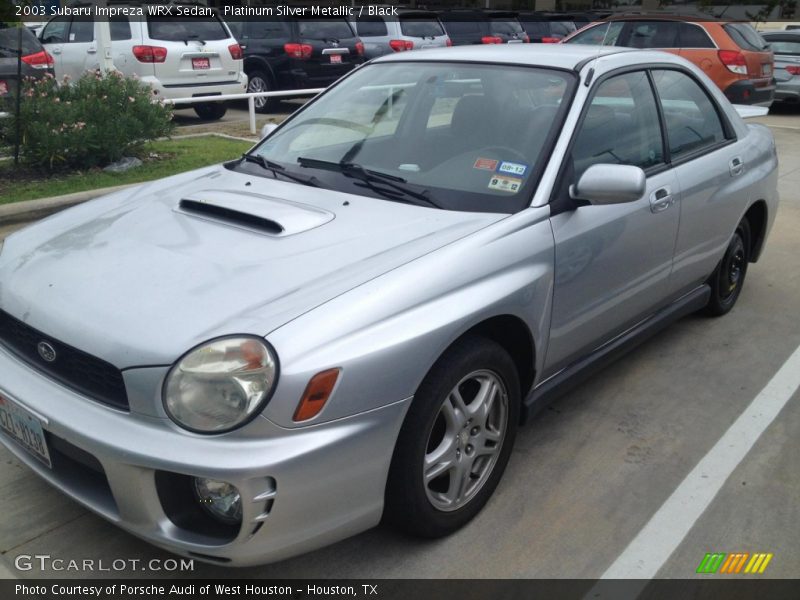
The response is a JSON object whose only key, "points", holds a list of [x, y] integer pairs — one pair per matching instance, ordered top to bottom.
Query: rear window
{"points": [[371, 26], [421, 27], [462, 27], [507, 27], [537, 28], [179, 29], [334, 29], [259, 30], [745, 36], [9, 41], [785, 46]]}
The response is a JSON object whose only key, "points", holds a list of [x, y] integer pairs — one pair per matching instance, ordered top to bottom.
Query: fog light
{"points": [[221, 499]]}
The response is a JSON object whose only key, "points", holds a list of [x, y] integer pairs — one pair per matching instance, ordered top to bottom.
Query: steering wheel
{"points": [[343, 123], [505, 151]]}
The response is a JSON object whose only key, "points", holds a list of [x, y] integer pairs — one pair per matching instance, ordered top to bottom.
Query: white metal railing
{"points": [[250, 97]]}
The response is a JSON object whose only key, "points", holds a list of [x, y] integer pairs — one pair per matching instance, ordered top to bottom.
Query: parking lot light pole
{"points": [[104, 43]]}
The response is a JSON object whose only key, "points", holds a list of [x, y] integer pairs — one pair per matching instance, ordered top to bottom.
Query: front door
{"points": [[612, 262]]}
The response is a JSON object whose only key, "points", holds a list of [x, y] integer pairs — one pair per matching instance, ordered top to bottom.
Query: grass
{"points": [[174, 156]]}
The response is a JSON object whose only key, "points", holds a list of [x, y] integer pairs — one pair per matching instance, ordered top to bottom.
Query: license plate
{"points": [[336, 58], [201, 63], [766, 69], [3, 88], [25, 429]]}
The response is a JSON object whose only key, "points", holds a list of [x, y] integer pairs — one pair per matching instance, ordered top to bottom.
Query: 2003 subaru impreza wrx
{"points": [[254, 359]]}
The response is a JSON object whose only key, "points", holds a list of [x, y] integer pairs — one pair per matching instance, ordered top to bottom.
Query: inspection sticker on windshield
{"points": [[487, 164], [512, 168], [505, 184]]}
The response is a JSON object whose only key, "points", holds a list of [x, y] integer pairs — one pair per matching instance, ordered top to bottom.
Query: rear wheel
{"points": [[259, 82], [212, 111], [728, 278], [456, 440]]}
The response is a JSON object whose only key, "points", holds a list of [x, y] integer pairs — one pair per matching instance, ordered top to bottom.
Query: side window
{"points": [[371, 26], [120, 28], [55, 32], [81, 32], [606, 34], [652, 34], [694, 36], [691, 118], [621, 126]]}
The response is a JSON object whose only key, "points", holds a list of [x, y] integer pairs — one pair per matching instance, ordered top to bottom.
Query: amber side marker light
{"points": [[317, 392]]}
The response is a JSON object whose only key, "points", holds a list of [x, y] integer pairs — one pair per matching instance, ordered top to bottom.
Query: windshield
{"points": [[466, 136]]}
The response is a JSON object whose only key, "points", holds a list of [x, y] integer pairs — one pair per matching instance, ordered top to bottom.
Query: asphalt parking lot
{"points": [[586, 477]]}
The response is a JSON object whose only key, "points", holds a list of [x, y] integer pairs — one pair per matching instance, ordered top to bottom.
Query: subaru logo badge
{"points": [[46, 351]]}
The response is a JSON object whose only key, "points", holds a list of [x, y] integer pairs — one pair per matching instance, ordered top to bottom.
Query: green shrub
{"points": [[92, 122]]}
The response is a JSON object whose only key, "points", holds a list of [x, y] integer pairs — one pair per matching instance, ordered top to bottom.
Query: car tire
{"points": [[258, 81], [213, 111], [728, 277], [436, 433]]}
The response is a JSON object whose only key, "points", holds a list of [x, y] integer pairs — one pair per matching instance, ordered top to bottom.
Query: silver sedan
{"points": [[348, 324]]}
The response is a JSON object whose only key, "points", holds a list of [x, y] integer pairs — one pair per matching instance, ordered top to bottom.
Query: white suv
{"points": [[180, 57]]}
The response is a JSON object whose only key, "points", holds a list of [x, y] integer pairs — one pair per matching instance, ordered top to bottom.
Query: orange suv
{"points": [[731, 53]]}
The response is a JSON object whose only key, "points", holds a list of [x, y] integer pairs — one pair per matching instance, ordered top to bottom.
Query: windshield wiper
{"points": [[278, 169], [371, 178]]}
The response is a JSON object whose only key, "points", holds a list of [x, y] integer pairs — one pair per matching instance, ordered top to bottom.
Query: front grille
{"points": [[74, 368]]}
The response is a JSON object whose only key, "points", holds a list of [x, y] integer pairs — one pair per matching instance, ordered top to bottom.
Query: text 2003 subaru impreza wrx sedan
{"points": [[251, 360]]}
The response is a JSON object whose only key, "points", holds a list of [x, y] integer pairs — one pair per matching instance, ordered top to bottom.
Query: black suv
{"points": [[482, 27], [547, 28], [293, 54], [35, 61]]}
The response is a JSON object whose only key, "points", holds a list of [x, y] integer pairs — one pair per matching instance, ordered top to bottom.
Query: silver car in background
{"points": [[409, 30], [786, 47], [348, 324]]}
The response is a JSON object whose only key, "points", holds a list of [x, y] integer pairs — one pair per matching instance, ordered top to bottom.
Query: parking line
{"points": [[667, 528]]}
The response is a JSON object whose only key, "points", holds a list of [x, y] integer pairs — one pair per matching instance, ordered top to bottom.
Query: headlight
{"points": [[220, 385]]}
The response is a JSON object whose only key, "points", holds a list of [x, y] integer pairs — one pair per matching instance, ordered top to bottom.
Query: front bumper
{"points": [[747, 92], [323, 483]]}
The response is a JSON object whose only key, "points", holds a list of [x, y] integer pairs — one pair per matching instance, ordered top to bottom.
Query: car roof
{"points": [[789, 32], [562, 56]]}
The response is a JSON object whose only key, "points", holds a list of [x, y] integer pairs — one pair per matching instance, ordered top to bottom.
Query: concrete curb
{"points": [[31, 210]]}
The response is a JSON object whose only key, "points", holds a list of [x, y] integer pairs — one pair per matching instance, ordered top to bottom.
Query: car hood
{"points": [[140, 277]]}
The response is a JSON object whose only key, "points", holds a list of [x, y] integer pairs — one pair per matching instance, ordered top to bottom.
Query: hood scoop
{"points": [[267, 215]]}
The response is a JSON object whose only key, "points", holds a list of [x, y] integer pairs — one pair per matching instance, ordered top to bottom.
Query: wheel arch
{"points": [[253, 64], [756, 216], [514, 335]]}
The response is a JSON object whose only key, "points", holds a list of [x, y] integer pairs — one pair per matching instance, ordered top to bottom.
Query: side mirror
{"points": [[267, 129], [610, 184]]}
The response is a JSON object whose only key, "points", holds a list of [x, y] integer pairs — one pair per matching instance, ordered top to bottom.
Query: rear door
{"points": [[424, 30], [374, 33], [333, 49], [197, 50], [710, 164]]}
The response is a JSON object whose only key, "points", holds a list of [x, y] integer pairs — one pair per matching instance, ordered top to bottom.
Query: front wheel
{"points": [[728, 278], [455, 441]]}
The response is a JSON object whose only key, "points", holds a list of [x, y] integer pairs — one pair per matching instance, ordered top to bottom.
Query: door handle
{"points": [[56, 50], [91, 50], [736, 166], [660, 200]]}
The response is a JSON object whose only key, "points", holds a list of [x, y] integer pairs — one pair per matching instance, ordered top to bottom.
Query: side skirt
{"points": [[570, 377]]}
